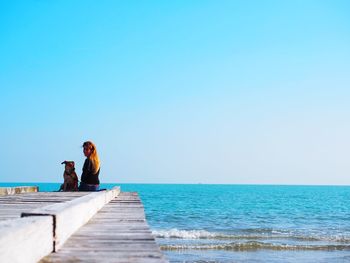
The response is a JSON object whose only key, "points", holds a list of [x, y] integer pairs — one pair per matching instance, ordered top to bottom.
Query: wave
{"points": [[185, 234], [256, 235], [249, 246]]}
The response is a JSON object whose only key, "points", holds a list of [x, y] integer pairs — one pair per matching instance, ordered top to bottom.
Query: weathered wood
{"points": [[18, 190], [11, 206], [70, 216], [117, 233], [26, 239], [29, 239]]}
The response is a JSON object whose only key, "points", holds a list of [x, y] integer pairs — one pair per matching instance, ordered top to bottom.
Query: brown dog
{"points": [[70, 177]]}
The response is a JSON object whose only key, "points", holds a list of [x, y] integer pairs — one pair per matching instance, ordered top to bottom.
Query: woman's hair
{"points": [[94, 156]]}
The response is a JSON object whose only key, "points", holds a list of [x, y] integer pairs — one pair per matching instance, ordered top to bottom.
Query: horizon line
{"points": [[248, 184]]}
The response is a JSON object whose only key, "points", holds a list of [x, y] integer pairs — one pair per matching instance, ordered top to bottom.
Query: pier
{"points": [[105, 226]]}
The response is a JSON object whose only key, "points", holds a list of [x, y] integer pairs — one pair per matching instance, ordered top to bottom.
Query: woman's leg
{"points": [[83, 187], [88, 187]]}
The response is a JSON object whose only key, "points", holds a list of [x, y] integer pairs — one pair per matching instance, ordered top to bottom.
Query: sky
{"points": [[212, 92]]}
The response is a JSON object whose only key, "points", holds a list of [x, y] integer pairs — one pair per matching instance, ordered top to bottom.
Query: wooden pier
{"points": [[106, 226]]}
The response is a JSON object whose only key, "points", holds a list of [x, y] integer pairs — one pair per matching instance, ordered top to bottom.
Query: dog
{"points": [[70, 177]]}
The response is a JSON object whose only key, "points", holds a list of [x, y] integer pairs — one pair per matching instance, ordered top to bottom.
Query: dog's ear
{"points": [[64, 162], [73, 163]]}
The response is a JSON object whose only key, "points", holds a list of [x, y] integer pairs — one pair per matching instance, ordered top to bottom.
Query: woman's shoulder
{"points": [[88, 162]]}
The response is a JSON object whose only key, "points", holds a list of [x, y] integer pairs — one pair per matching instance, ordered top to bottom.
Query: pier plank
{"points": [[11, 206], [70, 216], [117, 233]]}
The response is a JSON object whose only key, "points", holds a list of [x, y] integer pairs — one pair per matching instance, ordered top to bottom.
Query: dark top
{"points": [[88, 176]]}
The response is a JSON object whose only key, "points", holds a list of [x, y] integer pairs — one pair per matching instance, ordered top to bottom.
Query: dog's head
{"points": [[69, 166]]}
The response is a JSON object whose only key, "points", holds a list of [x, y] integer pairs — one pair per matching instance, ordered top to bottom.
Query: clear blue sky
{"points": [[177, 91]]}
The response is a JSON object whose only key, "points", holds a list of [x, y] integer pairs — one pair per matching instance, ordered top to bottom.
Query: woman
{"points": [[91, 168]]}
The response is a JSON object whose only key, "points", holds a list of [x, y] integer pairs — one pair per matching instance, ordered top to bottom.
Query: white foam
{"points": [[184, 234], [203, 234], [247, 246]]}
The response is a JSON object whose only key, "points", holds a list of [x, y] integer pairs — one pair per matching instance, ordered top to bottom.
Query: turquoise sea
{"points": [[245, 223]]}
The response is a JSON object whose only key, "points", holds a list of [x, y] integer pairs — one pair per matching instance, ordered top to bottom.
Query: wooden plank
{"points": [[12, 206], [70, 216], [117, 233], [26, 239], [108, 258]]}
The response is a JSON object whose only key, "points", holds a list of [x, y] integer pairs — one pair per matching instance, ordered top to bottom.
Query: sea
{"points": [[244, 223]]}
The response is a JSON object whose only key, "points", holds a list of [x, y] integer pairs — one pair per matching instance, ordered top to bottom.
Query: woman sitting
{"points": [[91, 168]]}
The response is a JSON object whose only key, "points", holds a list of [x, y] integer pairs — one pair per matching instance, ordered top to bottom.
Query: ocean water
{"points": [[246, 223]]}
